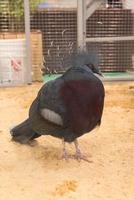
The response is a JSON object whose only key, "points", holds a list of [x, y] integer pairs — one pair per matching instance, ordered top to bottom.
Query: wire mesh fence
{"points": [[114, 4], [11, 16], [115, 27], [54, 35], [59, 35], [13, 58]]}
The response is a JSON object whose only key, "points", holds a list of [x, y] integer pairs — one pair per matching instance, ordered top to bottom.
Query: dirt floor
{"points": [[36, 173]]}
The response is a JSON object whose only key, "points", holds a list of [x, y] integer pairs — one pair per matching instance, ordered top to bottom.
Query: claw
{"points": [[78, 155]]}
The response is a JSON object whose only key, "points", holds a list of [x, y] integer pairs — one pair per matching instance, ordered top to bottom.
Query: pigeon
{"points": [[67, 107]]}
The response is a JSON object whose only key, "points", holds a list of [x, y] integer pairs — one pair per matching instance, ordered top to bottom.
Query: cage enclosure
{"points": [[57, 21], [58, 24]]}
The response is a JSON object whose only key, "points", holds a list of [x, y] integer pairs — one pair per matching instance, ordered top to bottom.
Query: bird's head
{"points": [[83, 58], [94, 69], [12, 130]]}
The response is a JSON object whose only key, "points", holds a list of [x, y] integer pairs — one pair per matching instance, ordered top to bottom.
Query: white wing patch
{"points": [[52, 116]]}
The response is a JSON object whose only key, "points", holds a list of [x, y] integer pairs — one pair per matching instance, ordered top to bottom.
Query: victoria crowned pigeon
{"points": [[68, 106]]}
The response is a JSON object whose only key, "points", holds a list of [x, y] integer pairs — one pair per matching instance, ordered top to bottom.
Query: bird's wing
{"points": [[83, 100], [51, 105], [38, 123], [45, 127]]}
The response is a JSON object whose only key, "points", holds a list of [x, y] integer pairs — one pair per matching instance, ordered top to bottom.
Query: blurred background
{"points": [[36, 37]]}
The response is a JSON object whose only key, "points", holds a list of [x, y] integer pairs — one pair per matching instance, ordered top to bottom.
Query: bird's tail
{"points": [[22, 133]]}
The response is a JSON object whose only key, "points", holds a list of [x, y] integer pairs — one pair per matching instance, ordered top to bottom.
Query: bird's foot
{"points": [[65, 155], [79, 156]]}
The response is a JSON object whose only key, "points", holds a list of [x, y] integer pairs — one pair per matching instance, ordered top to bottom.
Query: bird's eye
{"points": [[91, 66]]}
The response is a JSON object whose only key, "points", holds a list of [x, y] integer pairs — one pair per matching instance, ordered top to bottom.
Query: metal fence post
{"points": [[81, 23], [28, 40]]}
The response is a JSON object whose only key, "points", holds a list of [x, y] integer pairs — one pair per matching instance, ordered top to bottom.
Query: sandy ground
{"points": [[36, 173]]}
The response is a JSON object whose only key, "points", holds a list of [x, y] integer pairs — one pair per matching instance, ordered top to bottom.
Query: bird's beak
{"points": [[100, 74]]}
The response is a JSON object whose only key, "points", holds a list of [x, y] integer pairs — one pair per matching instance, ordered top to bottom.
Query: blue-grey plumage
{"points": [[68, 106]]}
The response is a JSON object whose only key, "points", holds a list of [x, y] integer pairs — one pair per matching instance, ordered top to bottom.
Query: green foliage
{"points": [[34, 4], [16, 7]]}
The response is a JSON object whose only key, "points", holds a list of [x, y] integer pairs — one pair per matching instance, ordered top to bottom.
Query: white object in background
{"points": [[128, 4], [13, 62]]}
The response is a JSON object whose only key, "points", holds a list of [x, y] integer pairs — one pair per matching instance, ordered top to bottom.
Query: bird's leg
{"points": [[65, 154], [78, 154]]}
